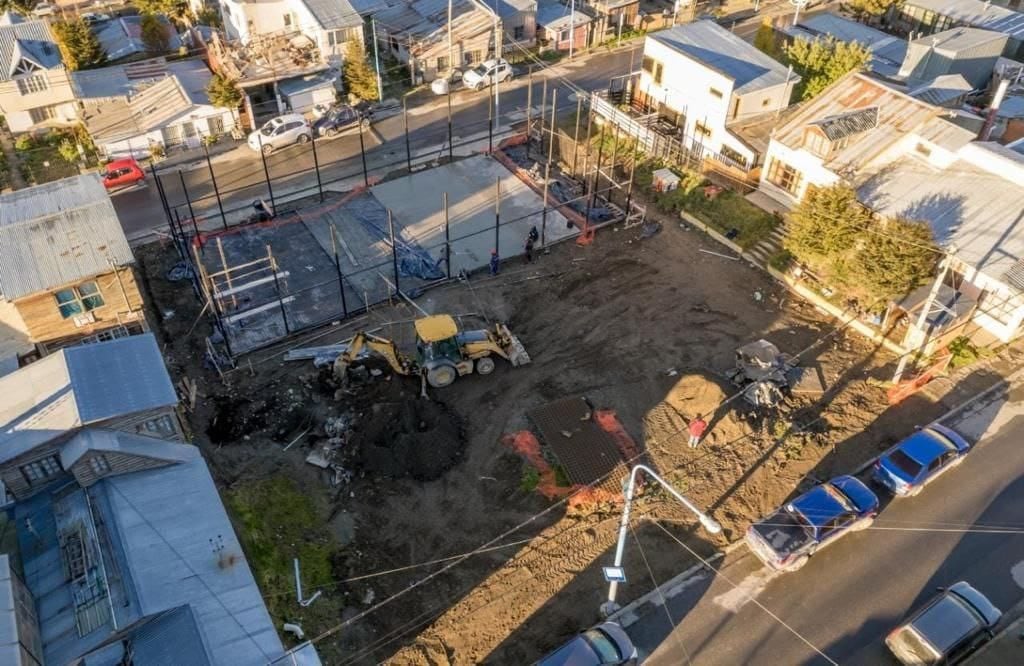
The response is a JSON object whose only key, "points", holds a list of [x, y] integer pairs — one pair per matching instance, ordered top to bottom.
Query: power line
{"points": [[749, 596]]}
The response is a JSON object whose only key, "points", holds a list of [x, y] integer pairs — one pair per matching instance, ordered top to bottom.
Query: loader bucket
{"points": [[513, 348]]}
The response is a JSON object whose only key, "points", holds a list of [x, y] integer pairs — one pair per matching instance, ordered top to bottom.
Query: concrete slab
{"points": [[416, 204]]}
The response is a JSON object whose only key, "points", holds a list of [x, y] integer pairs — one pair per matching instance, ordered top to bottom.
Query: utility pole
{"points": [[572, 25], [497, 56], [451, 60], [376, 61], [922, 318], [615, 573]]}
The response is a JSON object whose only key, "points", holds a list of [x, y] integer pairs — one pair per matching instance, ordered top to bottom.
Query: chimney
{"points": [[993, 108]]}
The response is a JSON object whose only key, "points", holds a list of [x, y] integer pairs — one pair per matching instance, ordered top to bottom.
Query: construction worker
{"points": [[533, 235], [529, 249], [495, 262], [697, 427]]}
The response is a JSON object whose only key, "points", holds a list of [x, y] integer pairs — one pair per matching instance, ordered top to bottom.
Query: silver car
{"points": [[280, 132], [950, 627], [604, 645]]}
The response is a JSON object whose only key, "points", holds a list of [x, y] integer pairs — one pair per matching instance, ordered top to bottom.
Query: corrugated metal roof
{"points": [[976, 13], [334, 14], [553, 15], [122, 37], [30, 38], [957, 40], [711, 44], [968, 51], [948, 89], [151, 109], [898, 114], [848, 124], [977, 211], [57, 233], [80, 385], [103, 440], [180, 549], [172, 639]]}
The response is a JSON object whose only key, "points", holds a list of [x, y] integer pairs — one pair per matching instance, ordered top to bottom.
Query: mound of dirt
{"points": [[665, 424], [415, 438]]}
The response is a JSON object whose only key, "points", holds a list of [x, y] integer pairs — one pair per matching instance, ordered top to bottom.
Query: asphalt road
{"points": [[240, 173], [850, 595]]}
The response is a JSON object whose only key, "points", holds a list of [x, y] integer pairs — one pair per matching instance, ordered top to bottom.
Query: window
{"points": [[287, 20], [518, 32], [563, 36], [341, 37], [472, 56], [442, 63], [653, 67], [32, 84], [715, 93], [766, 101], [41, 114], [215, 125], [189, 129], [702, 129], [816, 142], [782, 175], [76, 300], [161, 426], [99, 464], [41, 470]]}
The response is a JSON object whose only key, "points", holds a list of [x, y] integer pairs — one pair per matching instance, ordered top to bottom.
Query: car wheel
{"points": [[479, 86], [331, 132], [303, 138], [268, 148], [485, 365], [441, 376]]}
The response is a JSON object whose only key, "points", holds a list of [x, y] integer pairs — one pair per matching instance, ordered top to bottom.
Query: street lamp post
{"points": [[799, 4], [709, 523]]}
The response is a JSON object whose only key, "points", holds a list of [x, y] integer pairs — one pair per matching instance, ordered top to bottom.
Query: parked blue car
{"points": [[908, 467], [787, 538]]}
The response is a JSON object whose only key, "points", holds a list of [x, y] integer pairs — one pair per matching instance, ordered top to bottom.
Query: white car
{"points": [[44, 9], [92, 18], [487, 73], [445, 82], [280, 132]]}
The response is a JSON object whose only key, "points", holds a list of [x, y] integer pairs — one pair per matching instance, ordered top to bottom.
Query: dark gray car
{"points": [[952, 625], [605, 644]]}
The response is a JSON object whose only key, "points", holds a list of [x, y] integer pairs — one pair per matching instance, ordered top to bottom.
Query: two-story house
{"points": [[330, 24], [707, 81], [35, 90], [65, 265], [122, 552]]}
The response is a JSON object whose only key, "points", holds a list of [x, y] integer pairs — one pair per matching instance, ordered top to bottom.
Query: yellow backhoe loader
{"points": [[443, 352]]}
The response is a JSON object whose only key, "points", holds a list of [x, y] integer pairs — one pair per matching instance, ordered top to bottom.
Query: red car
{"points": [[121, 173]]}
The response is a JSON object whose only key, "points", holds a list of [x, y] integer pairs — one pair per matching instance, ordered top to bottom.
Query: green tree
{"points": [[176, 9], [865, 10], [154, 34], [764, 39], [78, 44], [822, 61], [360, 79], [224, 92], [826, 223], [896, 256]]}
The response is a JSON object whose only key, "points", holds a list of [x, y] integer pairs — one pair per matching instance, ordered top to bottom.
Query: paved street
{"points": [[240, 172], [853, 593]]}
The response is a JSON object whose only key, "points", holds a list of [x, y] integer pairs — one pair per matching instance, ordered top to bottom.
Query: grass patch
{"points": [[41, 160], [964, 353], [561, 478], [530, 479], [276, 523]]}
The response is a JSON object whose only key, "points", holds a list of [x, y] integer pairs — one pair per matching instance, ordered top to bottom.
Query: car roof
{"points": [[287, 118], [121, 163], [925, 446], [855, 490], [818, 506], [946, 622]]}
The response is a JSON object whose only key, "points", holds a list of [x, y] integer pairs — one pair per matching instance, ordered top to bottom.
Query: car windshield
{"points": [[480, 69], [268, 129], [905, 463], [838, 496], [605, 649], [912, 649]]}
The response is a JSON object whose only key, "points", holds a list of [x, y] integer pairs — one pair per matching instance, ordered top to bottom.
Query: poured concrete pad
{"points": [[416, 204]]}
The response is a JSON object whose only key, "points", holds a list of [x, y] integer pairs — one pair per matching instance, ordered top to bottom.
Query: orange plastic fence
{"points": [[903, 390]]}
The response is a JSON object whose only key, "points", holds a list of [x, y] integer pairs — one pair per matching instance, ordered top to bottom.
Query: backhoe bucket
{"points": [[514, 349]]}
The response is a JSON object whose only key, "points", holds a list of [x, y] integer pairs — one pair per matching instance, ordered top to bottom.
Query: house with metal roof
{"points": [[927, 17], [519, 21], [329, 24], [559, 27], [121, 38], [887, 51], [969, 52], [708, 82], [34, 87], [171, 111], [65, 264]]}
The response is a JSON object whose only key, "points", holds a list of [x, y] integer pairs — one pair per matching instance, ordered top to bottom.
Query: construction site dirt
{"points": [[647, 327]]}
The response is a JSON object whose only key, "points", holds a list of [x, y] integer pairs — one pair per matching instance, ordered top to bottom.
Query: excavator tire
{"points": [[484, 365], [442, 375]]}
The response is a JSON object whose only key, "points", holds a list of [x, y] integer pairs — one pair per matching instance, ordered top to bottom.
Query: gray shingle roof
{"points": [[334, 14], [30, 38], [716, 47], [848, 124], [57, 233], [80, 385]]}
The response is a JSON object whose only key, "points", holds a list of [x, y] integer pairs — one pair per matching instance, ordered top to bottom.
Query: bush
{"points": [[24, 142], [68, 150], [781, 260], [964, 352], [530, 480]]}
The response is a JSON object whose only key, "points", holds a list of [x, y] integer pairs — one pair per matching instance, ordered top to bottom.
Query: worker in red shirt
{"points": [[697, 427]]}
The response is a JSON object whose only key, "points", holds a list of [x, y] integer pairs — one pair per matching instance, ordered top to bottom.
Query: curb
{"points": [[1005, 382]]}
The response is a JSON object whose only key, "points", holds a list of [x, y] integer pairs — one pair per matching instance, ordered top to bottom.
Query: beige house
{"points": [[35, 90]]}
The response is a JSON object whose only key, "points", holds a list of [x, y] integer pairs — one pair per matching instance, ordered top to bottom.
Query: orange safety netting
{"points": [[902, 390], [525, 444]]}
